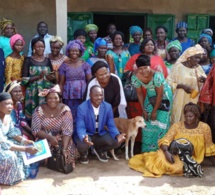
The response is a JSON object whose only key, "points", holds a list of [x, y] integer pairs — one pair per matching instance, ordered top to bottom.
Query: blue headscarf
{"points": [[181, 25], [135, 29], [208, 37], [98, 42]]}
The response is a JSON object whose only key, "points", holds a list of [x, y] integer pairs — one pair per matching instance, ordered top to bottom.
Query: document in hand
{"points": [[43, 152]]}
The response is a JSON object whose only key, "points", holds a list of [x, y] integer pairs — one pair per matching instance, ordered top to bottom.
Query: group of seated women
{"points": [[167, 97]]}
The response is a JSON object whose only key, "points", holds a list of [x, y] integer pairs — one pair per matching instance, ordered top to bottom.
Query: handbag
{"points": [[129, 89], [164, 105], [184, 149], [57, 161]]}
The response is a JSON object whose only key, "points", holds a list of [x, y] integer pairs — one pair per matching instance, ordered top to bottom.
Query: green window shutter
{"points": [[167, 20], [76, 21], [196, 23]]}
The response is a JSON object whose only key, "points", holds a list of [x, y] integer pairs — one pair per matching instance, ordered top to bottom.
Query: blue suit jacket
{"points": [[85, 120]]}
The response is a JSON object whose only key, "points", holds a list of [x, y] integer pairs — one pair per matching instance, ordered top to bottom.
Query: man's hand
{"points": [[121, 138], [86, 140]]}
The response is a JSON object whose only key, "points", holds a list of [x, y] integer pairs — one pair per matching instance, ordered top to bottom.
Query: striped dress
{"points": [[59, 126]]}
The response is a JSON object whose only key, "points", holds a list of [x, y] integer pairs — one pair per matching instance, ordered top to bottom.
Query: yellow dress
{"points": [[13, 70], [181, 74], [154, 164]]}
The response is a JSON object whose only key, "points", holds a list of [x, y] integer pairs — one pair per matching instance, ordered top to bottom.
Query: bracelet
{"points": [[23, 141], [65, 150]]}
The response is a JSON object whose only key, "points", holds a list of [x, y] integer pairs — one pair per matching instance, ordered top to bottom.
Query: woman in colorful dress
{"points": [[91, 30], [181, 30], [7, 31], [136, 33], [147, 33], [161, 42], [147, 47], [100, 49], [173, 49], [119, 55], [57, 59], [14, 62], [36, 75], [74, 76], [186, 79], [207, 97], [156, 105], [17, 115], [53, 121], [156, 164], [12, 168]]}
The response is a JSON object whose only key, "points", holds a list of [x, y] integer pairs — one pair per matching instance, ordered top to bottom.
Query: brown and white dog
{"points": [[130, 128]]}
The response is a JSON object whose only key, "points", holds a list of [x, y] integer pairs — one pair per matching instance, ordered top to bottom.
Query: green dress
{"points": [[120, 61], [33, 68], [156, 129]]}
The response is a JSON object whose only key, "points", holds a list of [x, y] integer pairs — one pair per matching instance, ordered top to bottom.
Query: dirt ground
{"points": [[114, 177]]}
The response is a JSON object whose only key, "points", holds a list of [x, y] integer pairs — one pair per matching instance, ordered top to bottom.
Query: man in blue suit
{"points": [[95, 127]]}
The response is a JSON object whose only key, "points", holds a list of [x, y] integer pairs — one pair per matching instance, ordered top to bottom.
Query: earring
{"points": [[34, 51]]}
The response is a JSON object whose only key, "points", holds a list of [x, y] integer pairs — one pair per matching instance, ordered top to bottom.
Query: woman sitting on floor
{"points": [[156, 164]]}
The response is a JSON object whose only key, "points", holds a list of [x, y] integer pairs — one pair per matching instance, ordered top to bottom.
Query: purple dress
{"points": [[75, 85]]}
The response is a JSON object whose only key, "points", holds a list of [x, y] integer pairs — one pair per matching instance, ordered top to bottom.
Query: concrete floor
{"points": [[114, 177]]}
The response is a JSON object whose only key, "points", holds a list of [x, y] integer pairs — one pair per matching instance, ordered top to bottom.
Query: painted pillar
{"points": [[61, 20]]}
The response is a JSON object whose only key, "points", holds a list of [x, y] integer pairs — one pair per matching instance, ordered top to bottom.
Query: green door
{"points": [[167, 20], [76, 21], [196, 23]]}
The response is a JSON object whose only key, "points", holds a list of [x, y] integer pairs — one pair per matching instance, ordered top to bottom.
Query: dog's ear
{"points": [[133, 120]]}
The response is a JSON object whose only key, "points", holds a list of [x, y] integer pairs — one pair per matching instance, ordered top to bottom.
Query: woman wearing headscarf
{"points": [[91, 30], [181, 30], [7, 31], [208, 31], [136, 33], [81, 35], [205, 41], [100, 49], [173, 49], [57, 59], [14, 62], [36, 75], [74, 76], [186, 79], [112, 86], [207, 97], [17, 114], [53, 121], [12, 169]]}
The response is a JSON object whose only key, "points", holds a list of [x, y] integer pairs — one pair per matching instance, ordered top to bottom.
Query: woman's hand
{"points": [[42, 74], [51, 77], [201, 79], [187, 89], [145, 115], [153, 115], [53, 141], [27, 142], [31, 150], [66, 156], [169, 157]]}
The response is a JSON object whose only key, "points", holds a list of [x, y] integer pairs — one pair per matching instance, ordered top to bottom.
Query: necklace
{"points": [[52, 114]]}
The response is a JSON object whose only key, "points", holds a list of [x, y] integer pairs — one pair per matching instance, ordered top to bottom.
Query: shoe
{"points": [[101, 156], [84, 159]]}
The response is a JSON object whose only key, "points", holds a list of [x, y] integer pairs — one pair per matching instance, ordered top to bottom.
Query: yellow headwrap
{"points": [[4, 23], [90, 27], [191, 51]]}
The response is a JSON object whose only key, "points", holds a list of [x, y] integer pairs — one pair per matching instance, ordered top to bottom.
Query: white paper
{"points": [[43, 152]]}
